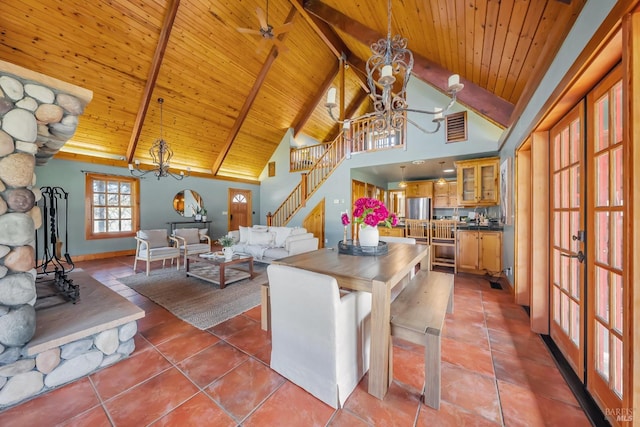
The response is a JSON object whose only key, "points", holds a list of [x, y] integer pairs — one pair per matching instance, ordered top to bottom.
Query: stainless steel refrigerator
{"points": [[418, 208]]}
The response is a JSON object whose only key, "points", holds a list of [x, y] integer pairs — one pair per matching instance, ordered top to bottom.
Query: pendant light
{"points": [[441, 181], [403, 183]]}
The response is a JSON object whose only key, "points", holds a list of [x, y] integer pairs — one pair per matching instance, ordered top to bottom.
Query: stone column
{"points": [[35, 122]]}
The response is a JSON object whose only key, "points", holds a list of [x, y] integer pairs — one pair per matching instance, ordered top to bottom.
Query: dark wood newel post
{"points": [[269, 219]]}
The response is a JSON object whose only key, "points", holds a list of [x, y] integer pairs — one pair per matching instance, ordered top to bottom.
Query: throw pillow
{"points": [[244, 234], [281, 235], [156, 238], [262, 238]]}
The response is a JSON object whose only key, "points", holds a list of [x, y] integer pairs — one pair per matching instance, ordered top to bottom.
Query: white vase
{"points": [[369, 236], [228, 252]]}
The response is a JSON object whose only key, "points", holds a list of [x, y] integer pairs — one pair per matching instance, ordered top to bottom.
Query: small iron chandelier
{"points": [[391, 58], [161, 155]]}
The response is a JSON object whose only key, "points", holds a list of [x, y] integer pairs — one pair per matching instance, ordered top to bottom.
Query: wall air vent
{"points": [[456, 127]]}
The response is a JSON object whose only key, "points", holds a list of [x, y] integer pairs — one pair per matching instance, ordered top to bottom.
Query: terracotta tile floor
{"points": [[494, 373]]}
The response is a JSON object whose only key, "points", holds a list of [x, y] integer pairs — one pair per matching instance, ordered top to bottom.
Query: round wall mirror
{"points": [[187, 203]]}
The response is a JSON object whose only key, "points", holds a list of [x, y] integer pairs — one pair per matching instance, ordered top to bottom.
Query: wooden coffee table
{"points": [[214, 269]]}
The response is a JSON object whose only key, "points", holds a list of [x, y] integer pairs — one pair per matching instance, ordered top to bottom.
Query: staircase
{"points": [[362, 136], [309, 182]]}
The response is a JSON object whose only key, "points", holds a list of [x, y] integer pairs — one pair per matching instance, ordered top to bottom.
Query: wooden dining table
{"points": [[375, 274]]}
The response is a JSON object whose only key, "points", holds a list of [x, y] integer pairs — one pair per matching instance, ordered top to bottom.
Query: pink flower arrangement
{"points": [[373, 212]]}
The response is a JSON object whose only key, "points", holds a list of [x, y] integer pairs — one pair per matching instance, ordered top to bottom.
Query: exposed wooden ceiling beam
{"points": [[153, 76], [473, 96], [248, 102], [308, 112]]}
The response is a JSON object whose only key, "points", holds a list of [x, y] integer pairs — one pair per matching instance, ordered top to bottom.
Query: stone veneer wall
{"points": [[35, 122], [32, 375]]}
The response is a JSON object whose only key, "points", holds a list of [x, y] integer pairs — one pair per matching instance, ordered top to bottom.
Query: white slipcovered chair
{"points": [[192, 241], [155, 245], [319, 339]]}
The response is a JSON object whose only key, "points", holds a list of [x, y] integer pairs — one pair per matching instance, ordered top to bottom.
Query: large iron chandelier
{"points": [[392, 59], [161, 155]]}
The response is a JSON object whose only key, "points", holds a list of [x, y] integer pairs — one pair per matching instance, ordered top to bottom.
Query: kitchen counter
{"points": [[489, 227]]}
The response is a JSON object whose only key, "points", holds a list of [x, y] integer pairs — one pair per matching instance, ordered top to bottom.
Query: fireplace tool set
{"points": [[53, 260]]}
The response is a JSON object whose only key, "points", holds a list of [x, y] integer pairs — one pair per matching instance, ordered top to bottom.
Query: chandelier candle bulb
{"points": [[386, 71], [454, 80], [331, 96]]}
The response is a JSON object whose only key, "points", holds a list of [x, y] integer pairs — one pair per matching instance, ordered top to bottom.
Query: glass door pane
{"points": [[469, 184]]}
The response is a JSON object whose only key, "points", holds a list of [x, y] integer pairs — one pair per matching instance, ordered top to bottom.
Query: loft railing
{"points": [[360, 138], [365, 138], [304, 158]]}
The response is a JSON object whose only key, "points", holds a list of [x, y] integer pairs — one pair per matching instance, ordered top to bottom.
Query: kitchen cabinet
{"points": [[478, 182], [419, 189], [445, 196], [393, 231], [479, 251]]}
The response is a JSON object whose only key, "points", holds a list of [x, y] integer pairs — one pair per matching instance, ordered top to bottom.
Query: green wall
{"points": [[156, 202]]}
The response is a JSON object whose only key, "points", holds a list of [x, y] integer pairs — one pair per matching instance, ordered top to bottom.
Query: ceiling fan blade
{"points": [[262, 18], [283, 28], [249, 31], [262, 44], [280, 45]]}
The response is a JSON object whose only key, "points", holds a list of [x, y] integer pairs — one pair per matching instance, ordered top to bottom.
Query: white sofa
{"points": [[268, 243]]}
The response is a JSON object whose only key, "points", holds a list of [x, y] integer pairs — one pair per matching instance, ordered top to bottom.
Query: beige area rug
{"points": [[196, 301]]}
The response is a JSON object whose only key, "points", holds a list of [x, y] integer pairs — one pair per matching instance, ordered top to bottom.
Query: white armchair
{"points": [[192, 241], [154, 245], [319, 339]]}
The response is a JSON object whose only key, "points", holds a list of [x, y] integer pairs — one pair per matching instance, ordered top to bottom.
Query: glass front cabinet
{"points": [[478, 182]]}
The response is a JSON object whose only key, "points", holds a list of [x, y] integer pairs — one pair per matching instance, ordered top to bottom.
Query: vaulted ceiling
{"points": [[229, 97]]}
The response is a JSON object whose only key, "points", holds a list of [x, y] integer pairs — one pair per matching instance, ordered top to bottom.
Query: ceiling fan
{"points": [[267, 31]]}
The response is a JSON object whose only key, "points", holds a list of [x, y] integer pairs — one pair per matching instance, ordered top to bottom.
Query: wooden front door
{"points": [[239, 208]]}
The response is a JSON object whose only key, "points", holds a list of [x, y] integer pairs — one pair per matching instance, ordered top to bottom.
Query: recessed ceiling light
{"points": [[418, 162], [448, 170]]}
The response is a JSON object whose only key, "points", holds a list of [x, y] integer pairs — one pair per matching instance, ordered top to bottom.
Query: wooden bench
{"points": [[265, 307], [417, 315]]}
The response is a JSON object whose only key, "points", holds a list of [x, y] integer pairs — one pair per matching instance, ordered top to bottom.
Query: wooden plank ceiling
{"points": [[227, 105]]}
